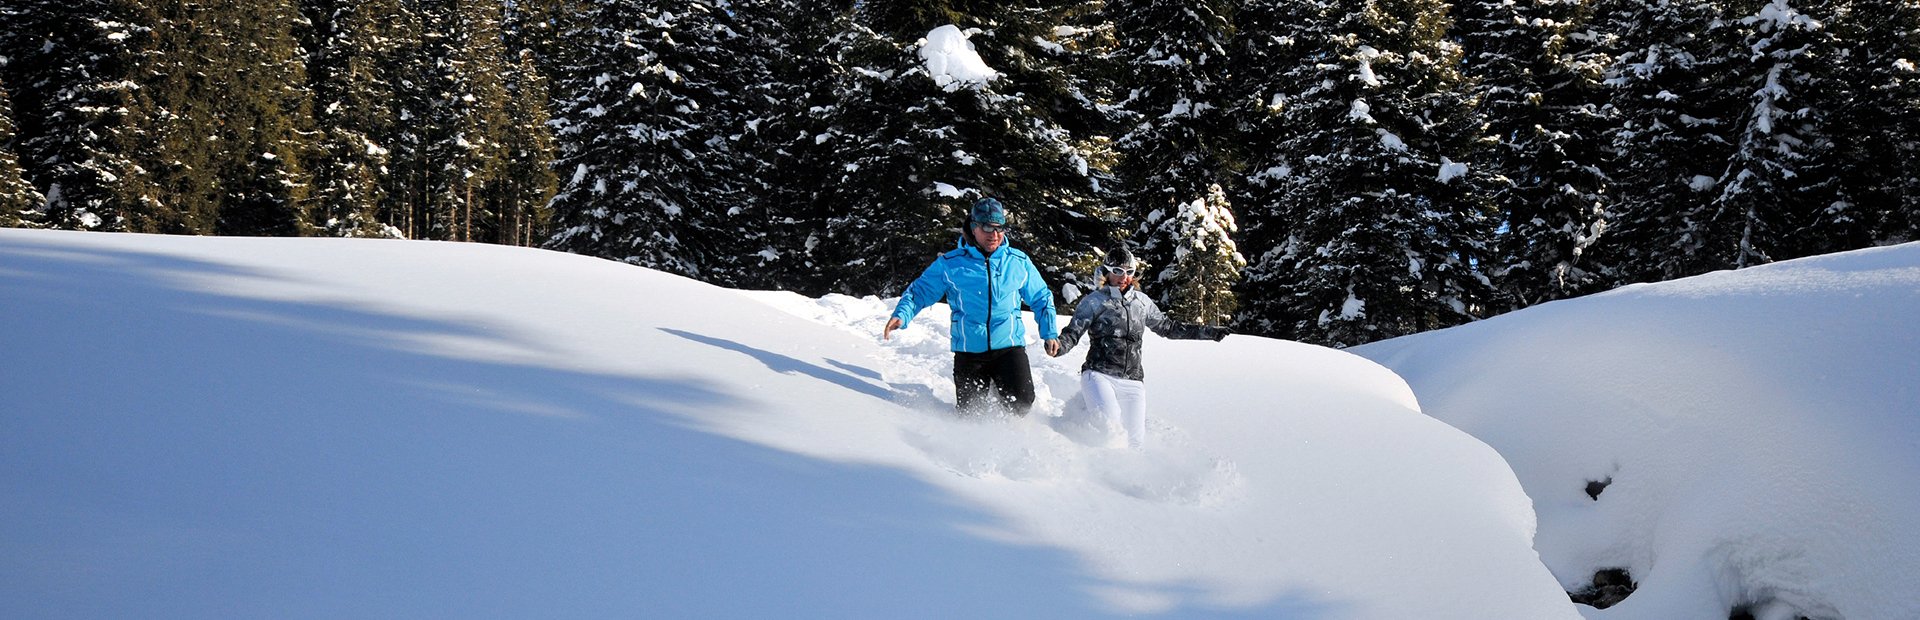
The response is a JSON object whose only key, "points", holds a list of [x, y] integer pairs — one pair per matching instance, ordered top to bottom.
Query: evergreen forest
{"points": [[1331, 171]]}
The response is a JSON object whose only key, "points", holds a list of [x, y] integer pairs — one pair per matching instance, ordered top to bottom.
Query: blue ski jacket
{"points": [[985, 295]]}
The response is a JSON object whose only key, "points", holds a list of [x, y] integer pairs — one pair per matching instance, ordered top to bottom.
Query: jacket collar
{"points": [[975, 251]]}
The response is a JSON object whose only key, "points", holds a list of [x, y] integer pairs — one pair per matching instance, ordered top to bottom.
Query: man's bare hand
{"points": [[892, 324], [1053, 348]]}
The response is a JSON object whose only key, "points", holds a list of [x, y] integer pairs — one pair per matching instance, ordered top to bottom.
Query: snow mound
{"points": [[328, 428], [1742, 440]]}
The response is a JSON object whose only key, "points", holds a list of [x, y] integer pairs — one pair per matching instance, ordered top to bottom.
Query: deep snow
{"points": [[1758, 426], [223, 427], [227, 427]]}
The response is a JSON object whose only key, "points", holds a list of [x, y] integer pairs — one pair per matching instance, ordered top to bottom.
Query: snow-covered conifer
{"points": [[1170, 61], [70, 64], [1537, 75], [1671, 79], [353, 90], [1871, 104], [266, 114], [923, 122], [464, 130], [640, 140], [526, 182], [1765, 194], [17, 196], [1385, 221], [1205, 266]]}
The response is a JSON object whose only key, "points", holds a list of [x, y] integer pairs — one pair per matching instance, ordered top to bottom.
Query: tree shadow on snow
{"points": [[788, 364], [855, 378]]}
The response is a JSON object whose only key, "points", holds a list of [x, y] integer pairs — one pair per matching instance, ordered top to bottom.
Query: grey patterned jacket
{"points": [[1117, 322]]}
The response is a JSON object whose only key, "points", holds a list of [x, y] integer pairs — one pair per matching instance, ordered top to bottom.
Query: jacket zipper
{"points": [[989, 321]]}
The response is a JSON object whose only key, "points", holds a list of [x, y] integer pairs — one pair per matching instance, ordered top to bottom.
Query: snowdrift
{"points": [[325, 428], [1750, 436]]}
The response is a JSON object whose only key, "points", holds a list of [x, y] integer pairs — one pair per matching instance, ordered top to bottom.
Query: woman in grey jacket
{"points": [[1116, 317]]}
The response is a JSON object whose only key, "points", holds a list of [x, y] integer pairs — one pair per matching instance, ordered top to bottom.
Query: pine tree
{"points": [[531, 31], [1269, 34], [1172, 60], [70, 63], [776, 73], [1671, 78], [1538, 80], [353, 93], [1872, 106], [266, 114], [463, 131], [1030, 134], [884, 141], [638, 143], [907, 153], [229, 163], [411, 168], [172, 182], [520, 192], [1766, 194], [17, 197], [1386, 225], [1206, 265]]}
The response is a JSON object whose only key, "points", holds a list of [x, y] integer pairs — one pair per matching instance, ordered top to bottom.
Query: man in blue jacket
{"points": [[984, 281]]}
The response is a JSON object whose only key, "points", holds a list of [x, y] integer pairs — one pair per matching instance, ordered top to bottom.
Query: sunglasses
{"points": [[991, 229], [1125, 271]]}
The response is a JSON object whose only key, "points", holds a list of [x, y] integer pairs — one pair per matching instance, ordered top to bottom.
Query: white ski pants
{"points": [[1116, 400]]}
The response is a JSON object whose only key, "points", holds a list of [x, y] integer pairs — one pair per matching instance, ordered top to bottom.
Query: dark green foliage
{"points": [[532, 32], [1271, 33], [1171, 60], [349, 65], [70, 67], [1537, 78], [1670, 78], [1868, 96], [433, 116], [466, 116], [265, 118], [218, 125], [1746, 129], [1780, 133], [642, 139], [903, 155], [17, 197], [517, 197], [878, 219], [1385, 231], [1198, 282]]}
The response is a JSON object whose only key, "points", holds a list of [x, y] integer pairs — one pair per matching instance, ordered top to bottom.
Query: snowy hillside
{"points": [[325, 428], [1757, 433]]}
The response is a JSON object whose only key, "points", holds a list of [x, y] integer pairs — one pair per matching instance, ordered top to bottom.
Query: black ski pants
{"points": [[977, 377]]}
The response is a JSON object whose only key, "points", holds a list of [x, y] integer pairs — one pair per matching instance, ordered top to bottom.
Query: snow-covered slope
{"points": [[290, 428], [1760, 429]]}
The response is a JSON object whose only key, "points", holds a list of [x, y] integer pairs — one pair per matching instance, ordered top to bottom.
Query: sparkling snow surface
{"points": [[328, 428], [1761, 429]]}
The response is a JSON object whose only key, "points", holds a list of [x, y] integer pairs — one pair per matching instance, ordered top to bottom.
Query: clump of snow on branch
{"points": [[951, 61], [1450, 170]]}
